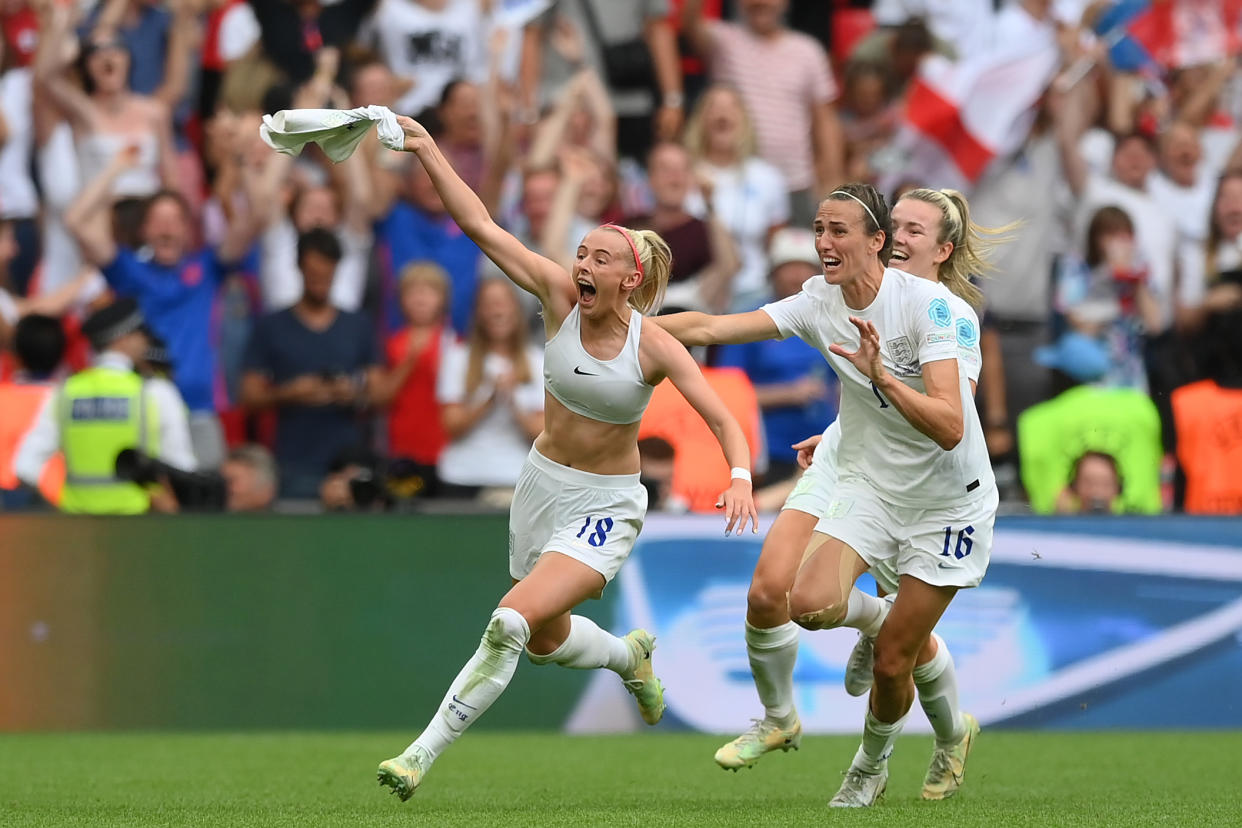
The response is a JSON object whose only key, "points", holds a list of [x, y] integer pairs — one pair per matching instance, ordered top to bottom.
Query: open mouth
{"points": [[899, 256], [830, 263], [586, 292]]}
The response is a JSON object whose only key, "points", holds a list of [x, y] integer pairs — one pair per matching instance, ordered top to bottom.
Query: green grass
{"points": [[505, 779]]}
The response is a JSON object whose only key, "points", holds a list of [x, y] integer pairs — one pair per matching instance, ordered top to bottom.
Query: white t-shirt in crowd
{"points": [[966, 25], [429, 47], [18, 199], [748, 199], [1188, 207], [1192, 275], [281, 280], [916, 324], [491, 453]]}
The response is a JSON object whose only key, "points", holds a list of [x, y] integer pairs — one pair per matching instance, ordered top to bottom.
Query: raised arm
{"points": [[696, 29], [52, 58], [88, 217], [527, 269], [694, 328], [671, 360]]}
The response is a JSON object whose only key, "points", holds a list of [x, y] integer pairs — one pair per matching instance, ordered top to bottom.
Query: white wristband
{"points": [[739, 473]]}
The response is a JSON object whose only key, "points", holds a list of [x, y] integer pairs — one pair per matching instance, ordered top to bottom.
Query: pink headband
{"points": [[633, 249]]}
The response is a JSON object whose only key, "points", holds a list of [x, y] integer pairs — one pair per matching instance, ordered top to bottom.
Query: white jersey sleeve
{"points": [[966, 323]]}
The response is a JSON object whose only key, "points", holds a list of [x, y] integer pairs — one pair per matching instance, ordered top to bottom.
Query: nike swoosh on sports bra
{"points": [[607, 390]]}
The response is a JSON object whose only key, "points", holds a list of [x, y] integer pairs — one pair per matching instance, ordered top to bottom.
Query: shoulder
{"points": [[794, 41]]}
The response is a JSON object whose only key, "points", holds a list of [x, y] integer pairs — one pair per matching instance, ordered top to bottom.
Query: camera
{"points": [[195, 491]]}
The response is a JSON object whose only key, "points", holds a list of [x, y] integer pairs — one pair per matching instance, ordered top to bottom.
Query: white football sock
{"points": [[865, 613], [589, 648], [772, 653], [480, 682], [936, 682], [877, 743]]}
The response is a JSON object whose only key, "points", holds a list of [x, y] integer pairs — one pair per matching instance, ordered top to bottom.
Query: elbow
{"points": [[949, 439]]}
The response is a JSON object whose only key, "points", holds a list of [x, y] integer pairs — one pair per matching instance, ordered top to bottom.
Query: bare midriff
{"points": [[585, 444]]}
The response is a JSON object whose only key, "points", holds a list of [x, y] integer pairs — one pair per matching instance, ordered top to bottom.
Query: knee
{"points": [[767, 598], [813, 611], [507, 630], [541, 648], [892, 664]]}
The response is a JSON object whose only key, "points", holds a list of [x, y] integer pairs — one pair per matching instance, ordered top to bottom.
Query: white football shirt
{"points": [[430, 47], [917, 325]]}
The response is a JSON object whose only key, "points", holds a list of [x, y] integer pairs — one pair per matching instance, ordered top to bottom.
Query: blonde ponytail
{"points": [[972, 244], [656, 262]]}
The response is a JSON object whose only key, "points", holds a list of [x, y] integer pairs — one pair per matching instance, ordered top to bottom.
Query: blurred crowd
{"points": [[265, 329]]}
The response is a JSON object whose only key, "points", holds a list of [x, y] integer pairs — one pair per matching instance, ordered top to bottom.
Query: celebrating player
{"points": [[933, 237], [915, 493], [579, 504]]}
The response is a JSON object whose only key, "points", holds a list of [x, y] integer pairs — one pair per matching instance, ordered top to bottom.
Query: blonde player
{"points": [[934, 238], [913, 471], [579, 504]]}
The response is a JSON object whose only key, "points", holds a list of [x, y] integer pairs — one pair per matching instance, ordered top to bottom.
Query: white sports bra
{"points": [[608, 390]]}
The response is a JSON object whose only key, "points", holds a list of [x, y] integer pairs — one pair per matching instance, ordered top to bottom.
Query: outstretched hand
{"points": [[415, 133], [867, 359], [806, 450], [738, 503]]}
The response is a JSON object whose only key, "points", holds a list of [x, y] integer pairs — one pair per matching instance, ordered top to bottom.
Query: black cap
{"points": [[110, 323], [157, 355]]}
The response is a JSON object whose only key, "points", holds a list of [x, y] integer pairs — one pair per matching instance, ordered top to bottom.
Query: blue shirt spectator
{"points": [[423, 231], [178, 300]]}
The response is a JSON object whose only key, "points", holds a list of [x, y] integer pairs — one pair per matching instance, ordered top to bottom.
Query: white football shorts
{"points": [[592, 518], [941, 546]]}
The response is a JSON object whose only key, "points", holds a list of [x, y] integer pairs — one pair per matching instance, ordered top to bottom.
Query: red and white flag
{"points": [[960, 115]]}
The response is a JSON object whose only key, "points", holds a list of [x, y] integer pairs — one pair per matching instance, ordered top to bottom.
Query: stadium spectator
{"points": [[292, 33], [431, 44], [630, 45], [787, 85], [107, 115], [869, 116], [749, 195], [586, 197], [21, 199], [288, 202], [417, 228], [704, 256], [1210, 273], [174, 282], [1108, 306], [39, 345], [413, 358], [316, 365], [795, 388], [491, 390], [101, 410], [656, 464], [250, 478], [1094, 487]]}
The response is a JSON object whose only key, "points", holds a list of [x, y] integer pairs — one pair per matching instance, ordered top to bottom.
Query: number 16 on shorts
{"points": [[602, 527], [964, 543]]}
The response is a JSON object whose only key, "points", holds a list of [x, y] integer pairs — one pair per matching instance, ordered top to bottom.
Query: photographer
{"points": [[101, 411]]}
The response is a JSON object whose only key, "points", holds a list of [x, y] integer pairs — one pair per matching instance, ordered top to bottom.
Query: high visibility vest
{"points": [[102, 411], [1208, 421], [1120, 422]]}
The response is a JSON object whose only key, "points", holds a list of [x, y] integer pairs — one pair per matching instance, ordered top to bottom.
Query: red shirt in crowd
{"points": [[414, 427]]}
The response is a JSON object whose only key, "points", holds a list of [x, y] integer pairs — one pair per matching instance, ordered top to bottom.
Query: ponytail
{"points": [[972, 244], [655, 260]]}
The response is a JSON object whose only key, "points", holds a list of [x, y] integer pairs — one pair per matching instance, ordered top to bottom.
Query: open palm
{"points": [[867, 359]]}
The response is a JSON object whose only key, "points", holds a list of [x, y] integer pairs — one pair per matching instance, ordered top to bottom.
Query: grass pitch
{"points": [[507, 779]]}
